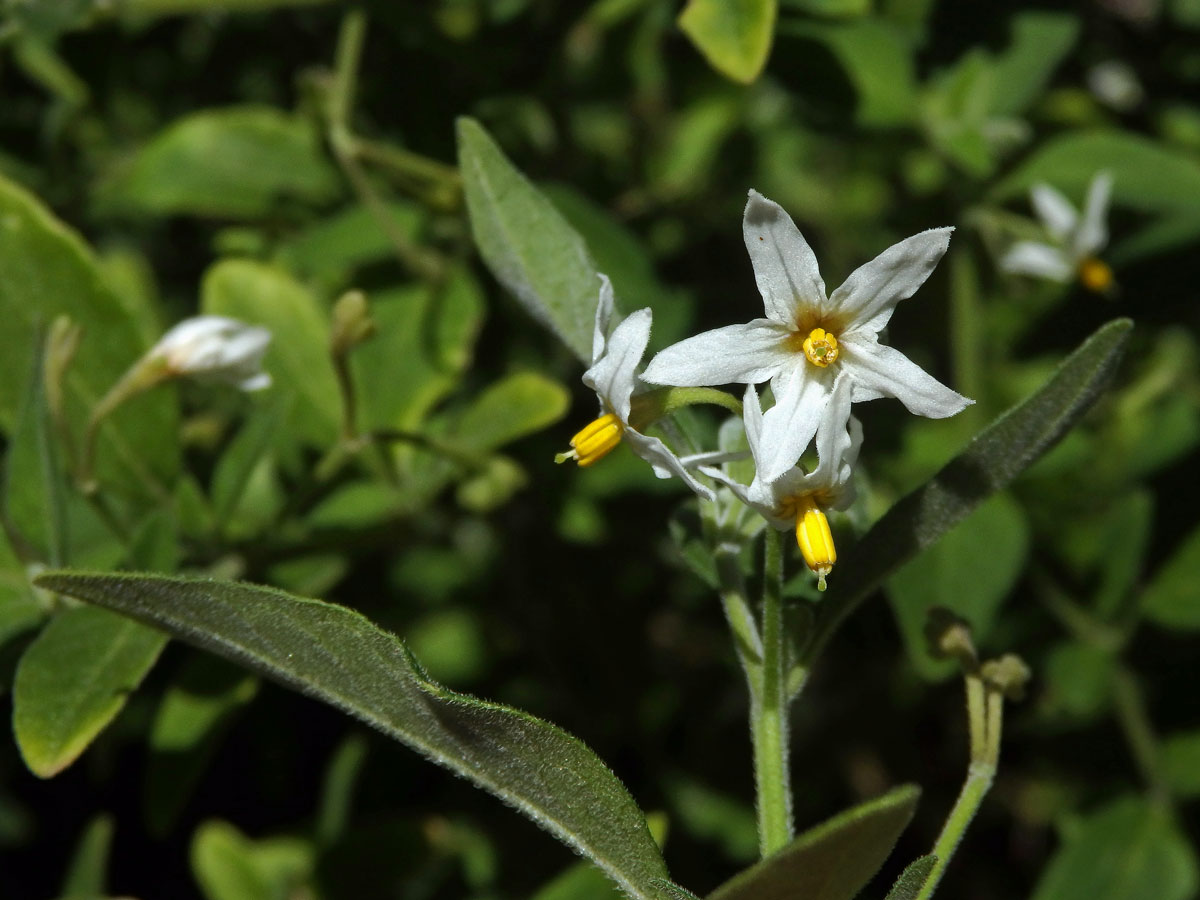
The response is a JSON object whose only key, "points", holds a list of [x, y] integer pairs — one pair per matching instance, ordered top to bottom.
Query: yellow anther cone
{"points": [[594, 441], [815, 539]]}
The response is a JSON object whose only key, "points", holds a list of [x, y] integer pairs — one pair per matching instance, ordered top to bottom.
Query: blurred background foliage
{"points": [[256, 158]]}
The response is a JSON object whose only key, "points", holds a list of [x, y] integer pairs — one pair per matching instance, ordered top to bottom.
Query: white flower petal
{"points": [[1056, 211], [1093, 230], [1038, 260], [785, 267], [871, 293], [604, 311], [195, 330], [216, 349], [752, 352], [883, 369], [612, 376], [256, 382], [752, 420], [790, 424], [833, 434], [663, 461]]}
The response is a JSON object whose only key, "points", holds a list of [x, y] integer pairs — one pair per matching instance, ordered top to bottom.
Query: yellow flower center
{"points": [[1095, 275], [820, 347], [594, 441], [814, 538]]}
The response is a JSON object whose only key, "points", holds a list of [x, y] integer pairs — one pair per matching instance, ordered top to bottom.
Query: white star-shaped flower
{"points": [[1075, 239], [809, 342], [215, 348], [613, 376], [798, 499]]}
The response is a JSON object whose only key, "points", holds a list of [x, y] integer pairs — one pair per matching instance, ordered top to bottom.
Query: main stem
{"points": [[768, 711]]}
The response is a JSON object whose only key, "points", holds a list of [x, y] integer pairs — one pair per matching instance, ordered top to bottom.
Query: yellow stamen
{"points": [[1095, 275], [820, 347], [594, 441], [814, 539]]}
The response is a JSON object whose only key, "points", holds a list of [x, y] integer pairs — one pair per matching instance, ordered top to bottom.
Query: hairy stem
{"points": [[768, 711]]}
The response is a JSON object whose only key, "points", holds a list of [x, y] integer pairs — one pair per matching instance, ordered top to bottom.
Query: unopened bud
{"points": [[352, 323], [211, 348], [948, 636], [1009, 674]]}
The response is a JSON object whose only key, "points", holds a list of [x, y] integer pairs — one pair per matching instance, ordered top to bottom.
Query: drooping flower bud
{"points": [[214, 348]]}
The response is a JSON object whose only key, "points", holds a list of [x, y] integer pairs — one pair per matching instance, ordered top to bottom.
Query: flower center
{"points": [[1095, 275], [820, 347], [594, 441], [814, 538]]}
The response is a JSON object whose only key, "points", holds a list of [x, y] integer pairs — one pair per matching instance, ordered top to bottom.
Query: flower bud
{"points": [[352, 322], [214, 348]]}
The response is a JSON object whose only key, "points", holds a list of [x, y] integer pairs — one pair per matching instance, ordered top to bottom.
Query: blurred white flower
{"points": [[1115, 84], [1075, 239], [809, 343], [215, 348], [615, 358], [799, 499]]}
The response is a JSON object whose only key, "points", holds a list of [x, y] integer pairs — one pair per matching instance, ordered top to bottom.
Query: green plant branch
{"points": [[339, 104], [985, 709], [768, 711], [1134, 720]]}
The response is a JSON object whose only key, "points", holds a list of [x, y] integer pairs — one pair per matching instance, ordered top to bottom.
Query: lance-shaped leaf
{"points": [[530, 248], [996, 456], [336, 655], [832, 861], [912, 879]]}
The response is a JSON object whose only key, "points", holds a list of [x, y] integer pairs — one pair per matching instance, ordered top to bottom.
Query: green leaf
{"points": [[141, 9], [830, 9], [733, 35], [1040, 41], [879, 63], [233, 163], [1146, 175], [528, 245], [335, 246], [627, 261], [46, 270], [425, 338], [298, 358], [511, 408], [988, 464], [35, 498], [240, 511], [1123, 552], [969, 571], [1171, 597], [20, 610], [336, 655], [73, 680], [1079, 680], [191, 718], [1181, 762], [337, 789], [717, 818], [1129, 850], [832, 861], [230, 866], [85, 876], [912, 879], [579, 882]]}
